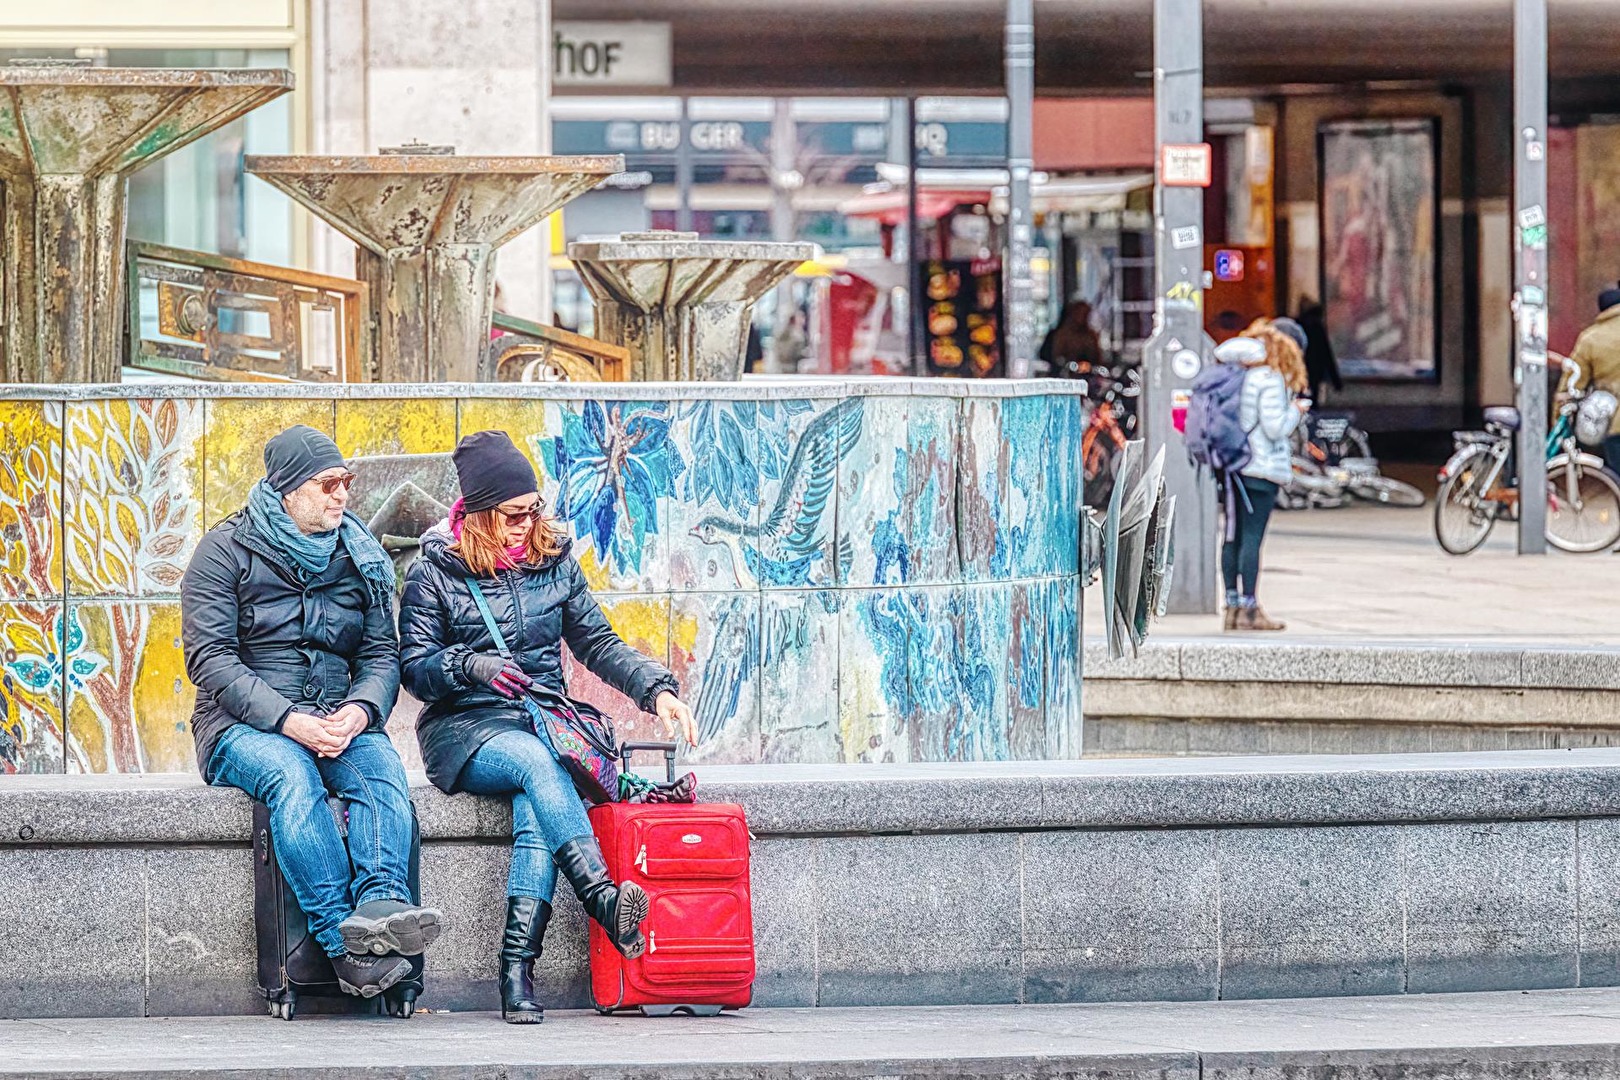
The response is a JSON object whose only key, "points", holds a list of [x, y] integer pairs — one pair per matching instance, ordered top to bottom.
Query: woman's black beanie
{"points": [[491, 471]]}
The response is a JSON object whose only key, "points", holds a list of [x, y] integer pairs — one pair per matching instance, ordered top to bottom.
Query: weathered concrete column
{"points": [[70, 136], [428, 224], [679, 304]]}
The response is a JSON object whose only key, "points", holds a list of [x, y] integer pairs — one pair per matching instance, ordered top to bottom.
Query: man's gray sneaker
{"points": [[379, 927], [368, 976]]}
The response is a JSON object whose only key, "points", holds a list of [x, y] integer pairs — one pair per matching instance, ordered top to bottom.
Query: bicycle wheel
{"points": [[1386, 491], [1462, 518], [1591, 520]]}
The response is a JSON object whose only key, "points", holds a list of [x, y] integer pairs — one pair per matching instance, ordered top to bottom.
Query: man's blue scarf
{"points": [[313, 553]]}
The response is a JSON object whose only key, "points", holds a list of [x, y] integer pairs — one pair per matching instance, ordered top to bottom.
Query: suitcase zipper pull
{"points": [[641, 858], [652, 941]]}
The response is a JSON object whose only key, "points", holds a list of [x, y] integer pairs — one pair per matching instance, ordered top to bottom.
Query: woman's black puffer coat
{"points": [[537, 609]]}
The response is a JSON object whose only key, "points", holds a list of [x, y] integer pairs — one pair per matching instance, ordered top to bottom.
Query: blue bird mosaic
{"points": [[783, 551], [734, 659]]}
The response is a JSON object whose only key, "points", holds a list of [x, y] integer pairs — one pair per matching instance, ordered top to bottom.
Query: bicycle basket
{"points": [[1593, 417]]}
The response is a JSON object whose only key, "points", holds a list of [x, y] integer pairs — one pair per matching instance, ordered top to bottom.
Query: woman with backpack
{"points": [[1269, 409]]}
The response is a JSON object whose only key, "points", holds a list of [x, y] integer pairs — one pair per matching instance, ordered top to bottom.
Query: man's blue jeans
{"points": [[294, 783], [546, 810]]}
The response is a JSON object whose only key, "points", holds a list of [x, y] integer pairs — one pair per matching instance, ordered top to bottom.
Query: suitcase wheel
{"points": [[401, 1006], [285, 1009], [603, 1010], [675, 1010]]}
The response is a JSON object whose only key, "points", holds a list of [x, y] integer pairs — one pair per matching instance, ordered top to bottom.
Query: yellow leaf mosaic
{"points": [[133, 495], [30, 499], [31, 677], [129, 701]]}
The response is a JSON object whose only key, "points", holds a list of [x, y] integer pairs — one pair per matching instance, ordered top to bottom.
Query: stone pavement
{"points": [[1376, 573], [1563, 1034]]}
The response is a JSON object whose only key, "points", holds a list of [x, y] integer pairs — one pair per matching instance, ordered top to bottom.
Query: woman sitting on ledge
{"points": [[477, 734]]}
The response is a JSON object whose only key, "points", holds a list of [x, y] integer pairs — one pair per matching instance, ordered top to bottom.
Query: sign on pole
{"points": [[1185, 165]]}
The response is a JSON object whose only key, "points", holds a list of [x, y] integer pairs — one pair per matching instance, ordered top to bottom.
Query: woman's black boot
{"points": [[620, 909], [526, 920]]}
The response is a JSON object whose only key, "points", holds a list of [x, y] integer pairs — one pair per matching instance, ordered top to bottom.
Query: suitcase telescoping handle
{"points": [[668, 748]]}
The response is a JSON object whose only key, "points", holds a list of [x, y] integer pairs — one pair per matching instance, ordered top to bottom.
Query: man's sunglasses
{"points": [[332, 483]]}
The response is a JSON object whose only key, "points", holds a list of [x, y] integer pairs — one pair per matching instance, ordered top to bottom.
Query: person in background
{"points": [[790, 343], [1072, 348], [1597, 350], [754, 351], [1321, 365], [1269, 409], [287, 620]]}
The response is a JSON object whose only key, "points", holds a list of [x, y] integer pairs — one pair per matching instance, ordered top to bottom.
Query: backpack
{"points": [[1216, 439]]}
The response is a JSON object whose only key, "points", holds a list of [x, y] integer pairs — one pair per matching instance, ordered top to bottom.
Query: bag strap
{"points": [[489, 617]]}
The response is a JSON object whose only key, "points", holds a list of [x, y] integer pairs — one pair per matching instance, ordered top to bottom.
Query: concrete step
{"points": [[1324, 695], [1558, 1034]]}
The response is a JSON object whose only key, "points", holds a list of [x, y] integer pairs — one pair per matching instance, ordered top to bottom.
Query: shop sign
{"points": [[610, 54], [654, 136], [1184, 165]]}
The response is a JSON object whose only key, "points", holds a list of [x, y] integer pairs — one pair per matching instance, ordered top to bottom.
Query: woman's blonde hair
{"points": [[1283, 354], [482, 546]]}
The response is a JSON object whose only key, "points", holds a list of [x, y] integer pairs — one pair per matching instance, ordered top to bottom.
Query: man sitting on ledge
{"points": [[288, 622]]}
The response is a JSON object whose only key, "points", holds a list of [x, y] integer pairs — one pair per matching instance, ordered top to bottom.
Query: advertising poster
{"points": [[1379, 221], [962, 317]]}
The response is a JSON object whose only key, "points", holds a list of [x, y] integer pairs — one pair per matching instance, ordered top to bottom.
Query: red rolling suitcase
{"points": [[692, 858]]}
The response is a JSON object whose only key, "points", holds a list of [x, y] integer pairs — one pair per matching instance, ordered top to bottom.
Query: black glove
{"points": [[496, 672]]}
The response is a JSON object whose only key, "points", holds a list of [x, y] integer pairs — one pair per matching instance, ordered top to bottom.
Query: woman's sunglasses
{"points": [[331, 484], [514, 518]]}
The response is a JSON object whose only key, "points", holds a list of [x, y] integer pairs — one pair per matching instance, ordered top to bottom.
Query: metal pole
{"points": [[902, 137], [683, 171], [784, 184], [914, 250], [1530, 266], [1020, 284], [1177, 351]]}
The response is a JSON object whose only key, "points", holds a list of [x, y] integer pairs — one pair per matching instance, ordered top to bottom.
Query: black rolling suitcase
{"points": [[291, 964]]}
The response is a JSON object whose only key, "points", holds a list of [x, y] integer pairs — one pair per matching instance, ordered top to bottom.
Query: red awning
{"points": [[889, 207]]}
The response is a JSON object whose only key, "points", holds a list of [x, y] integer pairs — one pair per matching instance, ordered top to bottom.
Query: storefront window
{"points": [[199, 197]]}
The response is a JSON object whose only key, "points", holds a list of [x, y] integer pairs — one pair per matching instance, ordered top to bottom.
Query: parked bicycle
{"points": [[1111, 396], [1332, 459], [1479, 484]]}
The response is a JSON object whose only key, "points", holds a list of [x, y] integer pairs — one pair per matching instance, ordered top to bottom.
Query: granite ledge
{"points": [[750, 389], [1335, 661], [835, 800]]}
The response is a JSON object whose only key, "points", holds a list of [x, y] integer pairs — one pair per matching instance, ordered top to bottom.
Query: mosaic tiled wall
{"points": [[860, 577]]}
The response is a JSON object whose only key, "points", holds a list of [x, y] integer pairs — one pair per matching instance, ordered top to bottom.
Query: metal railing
{"points": [[220, 319], [528, 351]]}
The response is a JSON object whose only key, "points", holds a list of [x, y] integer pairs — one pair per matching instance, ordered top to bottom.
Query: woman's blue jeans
{"points": [[294, 784], [546, 810]]}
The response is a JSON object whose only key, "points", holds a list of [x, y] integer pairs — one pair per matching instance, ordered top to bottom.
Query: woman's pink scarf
{"points": [[514, 555]]}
